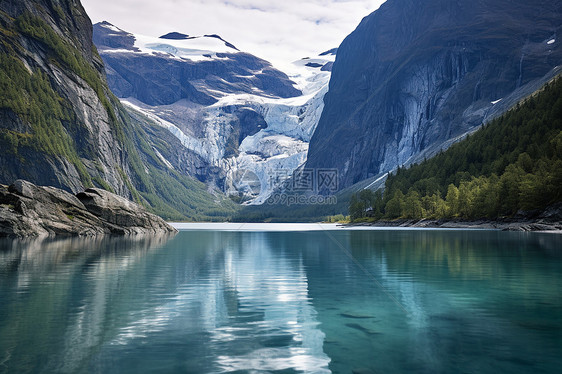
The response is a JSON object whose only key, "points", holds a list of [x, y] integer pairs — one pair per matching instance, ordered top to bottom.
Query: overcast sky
{"points": [[279, 31]]}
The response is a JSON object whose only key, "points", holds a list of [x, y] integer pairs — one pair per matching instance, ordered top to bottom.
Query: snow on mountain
{"points": [[194, 48], [162, 71], [312, 74], [253, 125], [276, 151], [273, 153]]}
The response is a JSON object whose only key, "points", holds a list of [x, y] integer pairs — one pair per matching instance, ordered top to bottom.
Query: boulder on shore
{"points": [[30, 210]]}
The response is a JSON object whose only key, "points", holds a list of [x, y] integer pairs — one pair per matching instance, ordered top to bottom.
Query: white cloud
{"points": [[279, 31]]}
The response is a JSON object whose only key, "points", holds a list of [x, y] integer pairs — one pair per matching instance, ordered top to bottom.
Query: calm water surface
{"points": [[420, 301]]}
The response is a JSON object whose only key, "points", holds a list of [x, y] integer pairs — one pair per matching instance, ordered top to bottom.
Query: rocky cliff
{"points": [[416, 75], [61, 126], [29, 210]]}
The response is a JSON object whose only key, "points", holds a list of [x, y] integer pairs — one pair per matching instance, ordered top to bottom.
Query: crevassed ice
{"points": [[276, 150]]}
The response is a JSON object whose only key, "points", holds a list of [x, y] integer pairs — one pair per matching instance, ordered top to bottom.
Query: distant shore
{"points": [[398, 224], [506, 225]]}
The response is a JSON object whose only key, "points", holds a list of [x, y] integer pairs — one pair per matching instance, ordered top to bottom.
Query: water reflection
{"points": [[45, 255], [276, 286], [56, 294], [474, 301], [213, 302], [207, 303]]}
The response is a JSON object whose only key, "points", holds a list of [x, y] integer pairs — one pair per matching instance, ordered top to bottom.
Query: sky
{"points": [[280, 31]]}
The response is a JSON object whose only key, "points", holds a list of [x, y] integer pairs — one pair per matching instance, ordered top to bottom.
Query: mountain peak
{"points": [[110, 26], [176, 36], [179, 36], [173, 44], [230, 45], [415, 75]]}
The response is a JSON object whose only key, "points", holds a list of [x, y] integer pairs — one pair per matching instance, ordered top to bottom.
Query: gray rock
{"points": [[416, 75], [160, 79], [94, 140], [22, 188], [30, 210], [121, 213], [553, 213]]}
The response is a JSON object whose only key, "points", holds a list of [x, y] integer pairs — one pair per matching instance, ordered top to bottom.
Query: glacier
{"points": [[244, 125], [273, 153]]}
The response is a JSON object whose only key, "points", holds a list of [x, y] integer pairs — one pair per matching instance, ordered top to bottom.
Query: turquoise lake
{"points": [[339, 301]]}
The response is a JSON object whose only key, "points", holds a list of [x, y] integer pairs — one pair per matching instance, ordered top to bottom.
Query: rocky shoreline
{"points": [[27, 210], [504, 225]]}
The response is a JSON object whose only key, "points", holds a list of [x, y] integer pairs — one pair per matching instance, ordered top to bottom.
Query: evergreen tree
{"points": [[452, 200], [412, 205], [395, 206]]}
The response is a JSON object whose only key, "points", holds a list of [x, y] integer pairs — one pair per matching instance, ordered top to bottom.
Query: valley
{"points": [[194, 128], [180, 194]]}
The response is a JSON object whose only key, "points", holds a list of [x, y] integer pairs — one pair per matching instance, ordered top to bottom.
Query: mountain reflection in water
{"points": [[217, 301]]}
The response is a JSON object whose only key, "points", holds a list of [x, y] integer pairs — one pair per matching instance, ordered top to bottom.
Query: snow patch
{"points": [[111, 27], [551, 41], [197, 48], [310, 79], [496, 101], [166, 162], [376, 180]]}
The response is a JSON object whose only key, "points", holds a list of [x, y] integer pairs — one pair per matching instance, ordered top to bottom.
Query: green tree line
{"points": [[512, 163]]}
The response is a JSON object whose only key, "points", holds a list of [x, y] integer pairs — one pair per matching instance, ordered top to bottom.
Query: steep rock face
{"points": [[47, 46], [415, 75], [61, 126], [30, 210], [120, 215]]}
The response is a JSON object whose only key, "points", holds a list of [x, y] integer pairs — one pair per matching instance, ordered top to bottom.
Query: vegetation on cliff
{"points": [[43, 134], [513, 163]]}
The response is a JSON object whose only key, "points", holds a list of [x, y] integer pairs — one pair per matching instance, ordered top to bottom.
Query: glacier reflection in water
{"points": [[208, 301], [201, 303], [251, 304]]}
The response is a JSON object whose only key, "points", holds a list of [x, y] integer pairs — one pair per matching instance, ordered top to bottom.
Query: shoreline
{"points": [[380, 225], [507, 225]]}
